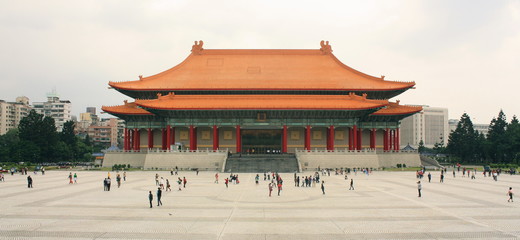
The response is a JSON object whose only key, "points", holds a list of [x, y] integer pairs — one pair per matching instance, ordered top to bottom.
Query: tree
{"points": [[38, 134], [513, 136], [497, 138], [462, 142], [8, 145], [422, 148]]}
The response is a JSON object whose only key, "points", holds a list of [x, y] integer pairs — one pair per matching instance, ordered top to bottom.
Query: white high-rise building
{"points": [[58, 109], [12, 112], [430, 126], [481, 128]]}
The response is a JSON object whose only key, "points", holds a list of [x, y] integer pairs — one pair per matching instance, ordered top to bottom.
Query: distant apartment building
{"points": [[59, 110], [12, 112], [86, 120], [430, 126], [481, 128], [107, 132]]}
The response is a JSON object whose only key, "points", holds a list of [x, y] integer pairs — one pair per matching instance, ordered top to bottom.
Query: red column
{"points": [[168, 137], [308, 137], [331, 137], [354, 137], [193, 138], [215, 138], [373, 138], [125, 139], [135, 139], [239, 139], [284, 139], [360, 139], [138, 140], [385, 140], [396, 141]]}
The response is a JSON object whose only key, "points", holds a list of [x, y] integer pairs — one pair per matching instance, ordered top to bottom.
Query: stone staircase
{"points": [[429, 162], [259, 163]]}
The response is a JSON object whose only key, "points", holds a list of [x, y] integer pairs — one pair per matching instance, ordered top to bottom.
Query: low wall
{"points": [[369, 159], [166, 160]]}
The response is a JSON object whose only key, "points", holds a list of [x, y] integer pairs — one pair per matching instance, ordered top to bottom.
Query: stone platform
{"points": [[384, 205]]}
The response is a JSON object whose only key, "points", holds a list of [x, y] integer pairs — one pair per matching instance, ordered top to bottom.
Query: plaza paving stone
{"points": [[384, 205]]}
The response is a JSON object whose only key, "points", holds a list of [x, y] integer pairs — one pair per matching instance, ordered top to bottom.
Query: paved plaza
{"points": [[383, 205]]}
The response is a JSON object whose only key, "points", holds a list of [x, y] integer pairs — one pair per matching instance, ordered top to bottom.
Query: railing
{"points": [[158, 150], [347, 151]]}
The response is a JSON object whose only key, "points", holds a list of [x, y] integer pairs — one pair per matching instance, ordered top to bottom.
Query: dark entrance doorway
{"points": [[261, 141]]}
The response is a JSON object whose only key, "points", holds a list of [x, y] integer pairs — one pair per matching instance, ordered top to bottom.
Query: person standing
{"points": [[124, 176], [429, 177], [442, 177], [70, 178], [75, 178], [216, 178], [257, 178], [156, 179], [184, 181], [226, 181], [29, 182], [109, 182], [105, 184], [351, 184], [168, 186], [279, 187], [323, 187], [270, 188], [419, 188], [159, 194], [510, 194], [150, 198]]}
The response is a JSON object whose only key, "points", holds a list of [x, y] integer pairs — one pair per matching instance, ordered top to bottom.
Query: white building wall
{"points": [[430, 126]]}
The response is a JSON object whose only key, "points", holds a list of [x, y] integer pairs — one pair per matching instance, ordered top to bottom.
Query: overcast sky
{"points": [[463, 55]]}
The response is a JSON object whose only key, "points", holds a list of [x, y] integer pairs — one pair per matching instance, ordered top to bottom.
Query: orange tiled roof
{"points": [[261, 69], [267, 102], [126, 109], [396, 109]]}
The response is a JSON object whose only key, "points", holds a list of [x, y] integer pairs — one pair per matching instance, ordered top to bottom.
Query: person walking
{"points": [[124, 176], [429, 177], [442, 177], [70, 178], [75, 178], [216, 178], [257, 178], [156, 179], [118, 180], [184, 181], [226, 181], [29, 182], [179, 182], [105, 184], [351, 184], [168, 187], [279, 187], [323, 187], [270, 188], [419, 188], [159, 194], [510, 194], [150, 198]]}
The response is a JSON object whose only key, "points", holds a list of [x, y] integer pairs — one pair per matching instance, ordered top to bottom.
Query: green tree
{"points": [[41, 132], [513, 135], [498, 139], [462, 142], [8, 145], [422, 148]]}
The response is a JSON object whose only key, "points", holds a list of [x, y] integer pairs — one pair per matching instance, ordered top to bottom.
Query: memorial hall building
{"points": [[254, 109]]}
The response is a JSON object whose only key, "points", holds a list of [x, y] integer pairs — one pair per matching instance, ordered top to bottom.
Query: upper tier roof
{"points": [[261, 70], [261, 102]]}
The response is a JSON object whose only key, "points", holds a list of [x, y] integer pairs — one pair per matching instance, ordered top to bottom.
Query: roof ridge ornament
{"points": [[197, 47], [325, 47], [140, 77], [383, 77]]}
